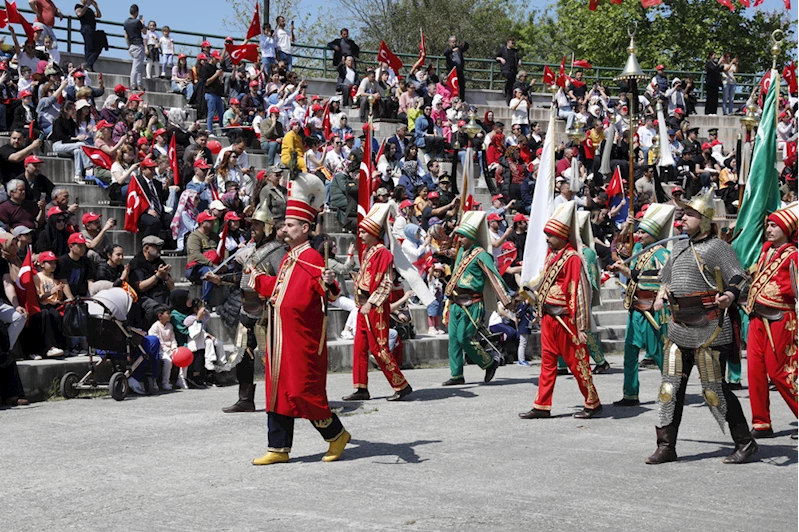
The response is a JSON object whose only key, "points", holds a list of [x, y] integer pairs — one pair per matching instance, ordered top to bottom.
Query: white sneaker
{"points": [[78, 179], [432, 331], [441, 332], [346, 334], [53, 352], [35, 357], [181, 383], [136, 386], [165, 386]]}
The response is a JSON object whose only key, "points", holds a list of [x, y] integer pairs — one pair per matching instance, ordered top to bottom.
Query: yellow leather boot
{"points": [[336, 447], [271, 458]]}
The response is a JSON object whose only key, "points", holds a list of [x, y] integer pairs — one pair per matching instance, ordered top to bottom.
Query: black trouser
{"points": [[91, 52], [510, 79], [712, 100], [154, 225], [51, 327], [245, 370], [735, 414], [281, 430]]}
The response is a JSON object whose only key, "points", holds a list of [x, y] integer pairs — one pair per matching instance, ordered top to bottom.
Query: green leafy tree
{"points": [[678, 33]]}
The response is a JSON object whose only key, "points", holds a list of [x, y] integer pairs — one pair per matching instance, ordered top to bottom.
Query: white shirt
{"points": [[152, 38], [283, 40], [167, 45], [267, 46], [349, 77], [519, 115], [645, 136], [244, 160], [333, 161]]}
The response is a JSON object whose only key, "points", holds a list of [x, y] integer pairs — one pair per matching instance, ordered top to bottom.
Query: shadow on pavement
{"points": [[625, 412], [358, 449], [766, 453]]}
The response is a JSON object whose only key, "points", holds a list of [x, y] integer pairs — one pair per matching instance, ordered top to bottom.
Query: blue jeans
{"points": [[282, 56], [266, 61], [186, 91], [727, 99], [215, 107], [568, 114], [271, 148], [195, 273]]}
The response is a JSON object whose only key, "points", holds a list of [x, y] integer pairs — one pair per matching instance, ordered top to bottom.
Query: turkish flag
{"points": [[617, 2], [758, 2], [651, 3], [746, 3], [727, 4], [787, 4], [592, 5], [14, 17], [3, 18], [255, 26], [422, 49], [242, 52], [384, 55], [582, 63], [789, 73], [549, 76], [452, 81], [561, 81], [575, 82], [765, 83], [327, 128], [588, 147], [381, 150], [172, 153], [98, 157], [364, 182], [615, 187], [136, 205], [220, 248], [506, 257], [26, 289]]}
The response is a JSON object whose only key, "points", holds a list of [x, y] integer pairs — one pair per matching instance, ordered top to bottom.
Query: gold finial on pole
{"points": [[777, 37]]}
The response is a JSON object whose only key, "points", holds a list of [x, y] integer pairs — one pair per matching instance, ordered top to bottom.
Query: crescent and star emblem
{"points": [[136, 202], [22, 271]]}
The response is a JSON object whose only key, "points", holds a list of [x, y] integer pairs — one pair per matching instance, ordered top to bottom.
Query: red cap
{"points": [[205, 44], [215, 54], [182, 56], [202, 56], [660, 67], [79, 74], [254, 83], [120, 88], [25, 94], [301, 97], [134, 98], [316, 98], [234, 101], [316, 107], [274, 109], [679, 111], [103, 123], [159, 131], [348, 136], [142, 141], [716, 142], [32, 159], [148, 163], [200, 163], [261, 175], [676, 190], [432, 195], [497, 197], [405, 204], [53, 211], [205, 216], [232, 216], [90, 217], [494, 217], [519, 218], [76, 238], [47, 256]]}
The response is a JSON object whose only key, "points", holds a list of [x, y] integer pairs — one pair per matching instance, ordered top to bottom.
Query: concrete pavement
{"points": [[450, 459]]}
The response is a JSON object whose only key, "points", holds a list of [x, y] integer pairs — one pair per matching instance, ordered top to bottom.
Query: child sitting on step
{"points": [[163, 330]]}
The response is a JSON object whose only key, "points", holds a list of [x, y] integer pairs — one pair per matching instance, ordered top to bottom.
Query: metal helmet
{"points": [[703, 204], [264, 215]]}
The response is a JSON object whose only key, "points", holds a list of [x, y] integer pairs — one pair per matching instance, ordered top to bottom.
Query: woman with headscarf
{"points": [[110, 110], [185, 219], [55, 235], [416, 244]]}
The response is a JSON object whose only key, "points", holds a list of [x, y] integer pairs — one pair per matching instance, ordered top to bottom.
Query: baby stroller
{"points": [[114, 348]]}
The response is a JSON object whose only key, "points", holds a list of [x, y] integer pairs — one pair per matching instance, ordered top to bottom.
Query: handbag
{"points": [[76, 319]]}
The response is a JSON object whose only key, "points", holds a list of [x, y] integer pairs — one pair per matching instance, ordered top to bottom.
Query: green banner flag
{"points": [[762, 194]]}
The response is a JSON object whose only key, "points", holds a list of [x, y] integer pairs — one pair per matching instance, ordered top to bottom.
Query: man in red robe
{"points": [[372, 289], [564, 304], [772, 345], [296, 366]]}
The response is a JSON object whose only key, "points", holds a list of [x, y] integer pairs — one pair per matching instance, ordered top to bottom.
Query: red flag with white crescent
{"points": [[727, 4], [592, 5], [14, 17], [3, 18], [255, 25], [242, 52], [385, 55], [789, 74], [549, 76], [452, 81], [561, 81], [327, 128], [98, 157], [174, 164], [616, 186], [135, 205], [221, 249], [508, 254], [26, 289]]}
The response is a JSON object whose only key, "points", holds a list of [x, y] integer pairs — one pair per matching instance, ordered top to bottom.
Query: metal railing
{"points": [[316, 61]]}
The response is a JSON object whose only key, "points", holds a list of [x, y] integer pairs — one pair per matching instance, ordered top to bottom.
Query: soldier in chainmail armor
{"points": [[263, 255], [701, 282]]}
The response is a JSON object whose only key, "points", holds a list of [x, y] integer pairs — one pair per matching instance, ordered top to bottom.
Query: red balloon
{"points": [[215, 146], [183, 357]]}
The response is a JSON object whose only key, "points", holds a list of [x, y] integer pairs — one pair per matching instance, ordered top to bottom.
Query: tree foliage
{"points": [[483, 23], [310, 28], [678, 33]]}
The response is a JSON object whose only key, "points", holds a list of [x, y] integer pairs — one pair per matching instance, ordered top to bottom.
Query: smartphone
{"points": [[42, 196], [77, 200]]}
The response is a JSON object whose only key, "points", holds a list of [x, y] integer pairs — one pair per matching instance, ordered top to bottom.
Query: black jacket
{"points": [[338, 57], [511, 57]]}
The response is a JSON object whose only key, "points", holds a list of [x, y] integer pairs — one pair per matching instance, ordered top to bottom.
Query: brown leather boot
{"points": [[246, 402], [667, 440], [745, 445]]}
